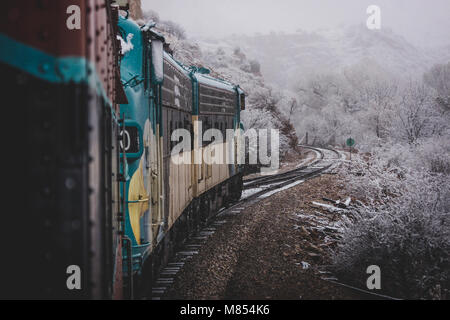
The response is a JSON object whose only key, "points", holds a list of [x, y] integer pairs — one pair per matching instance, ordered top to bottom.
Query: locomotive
{"points": [[167, 201], [97, 202]]}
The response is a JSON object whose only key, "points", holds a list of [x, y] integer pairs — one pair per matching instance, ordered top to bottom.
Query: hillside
{"points": [[286, 58], [308, 82], [264, 103]]}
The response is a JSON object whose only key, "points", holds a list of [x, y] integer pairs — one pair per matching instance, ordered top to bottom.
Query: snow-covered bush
{"points": [[152, 15], [173, 28], [255, 67], [433, 154], [403, 223], [408, 238]]}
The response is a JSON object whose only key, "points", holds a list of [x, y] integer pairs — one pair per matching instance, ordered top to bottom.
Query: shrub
{"points": [[173, 28], [255, 67], [403, 226]]}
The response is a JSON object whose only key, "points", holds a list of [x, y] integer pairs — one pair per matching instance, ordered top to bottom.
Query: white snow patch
{"points": [[150, 24], [127, 46], [158, 60], [203, 79], [308, 159], [274, 184], [249, 192], [271, 193], [347, 202], [328, 207], [317, 220], [321, 223], [305, 265]]}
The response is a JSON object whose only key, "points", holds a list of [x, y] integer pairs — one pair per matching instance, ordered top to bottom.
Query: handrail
{"points": [[139, 201]]}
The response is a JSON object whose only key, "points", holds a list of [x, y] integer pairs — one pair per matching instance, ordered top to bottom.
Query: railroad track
{"points": [[316, 167], [268, 179], [255, 190]]}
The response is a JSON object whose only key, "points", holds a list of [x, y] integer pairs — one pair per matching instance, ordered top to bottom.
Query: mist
{"points": [[421, 22]]}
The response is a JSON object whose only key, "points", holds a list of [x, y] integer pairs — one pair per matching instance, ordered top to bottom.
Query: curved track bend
{"points": [[255, 189]]}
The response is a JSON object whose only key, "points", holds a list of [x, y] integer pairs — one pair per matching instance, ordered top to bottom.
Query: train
{"points": [[98, 200]]}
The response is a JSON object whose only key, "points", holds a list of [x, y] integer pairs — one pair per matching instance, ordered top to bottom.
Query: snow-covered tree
{"points": [[439, 79], [417, 115]]}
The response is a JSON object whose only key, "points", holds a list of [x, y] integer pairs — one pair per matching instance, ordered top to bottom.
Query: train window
{"points": [[242, 101], [131, 142]]}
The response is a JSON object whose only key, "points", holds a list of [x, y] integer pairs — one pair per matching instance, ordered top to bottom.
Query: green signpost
{"points": [[350, 143]]}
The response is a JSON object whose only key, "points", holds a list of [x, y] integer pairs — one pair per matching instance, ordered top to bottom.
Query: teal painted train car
{"points": [[61, 93], [98, 200], [166, 201]]}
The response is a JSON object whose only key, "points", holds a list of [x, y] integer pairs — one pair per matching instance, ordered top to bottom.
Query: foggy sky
{"points": [[420, 21]]}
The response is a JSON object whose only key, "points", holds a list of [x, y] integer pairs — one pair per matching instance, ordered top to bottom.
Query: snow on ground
{"points": [[310, 157], [249, 192], [266, 195], [328, 207]]}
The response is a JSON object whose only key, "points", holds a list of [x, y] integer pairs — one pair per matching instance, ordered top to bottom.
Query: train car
{"points": [[60, 91], [141, 146], [98, 199], [166, 201]]}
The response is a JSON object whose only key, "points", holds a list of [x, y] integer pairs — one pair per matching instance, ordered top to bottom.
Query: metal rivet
{"points": [[70, 183]]}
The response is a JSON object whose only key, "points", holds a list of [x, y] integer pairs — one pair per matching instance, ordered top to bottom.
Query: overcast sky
{"points": [[425, 22]]}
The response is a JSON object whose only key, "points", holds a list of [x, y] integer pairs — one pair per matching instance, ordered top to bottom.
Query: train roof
{"points": [[131, 26], [176, 64], [201, 78], [213, 82]]}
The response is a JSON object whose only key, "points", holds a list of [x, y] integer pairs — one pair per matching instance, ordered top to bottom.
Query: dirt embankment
{"points": [[274, 249]]}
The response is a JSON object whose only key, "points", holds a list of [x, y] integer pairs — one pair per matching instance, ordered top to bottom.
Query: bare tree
{"points": [[152, 15], [173, 28], [255, 67], [439, 79], [380, 98], [265, 99], [293, 108], [416, 113]]}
